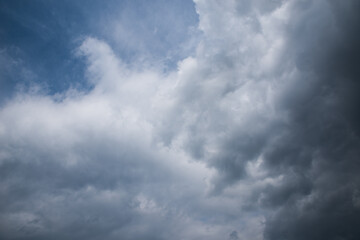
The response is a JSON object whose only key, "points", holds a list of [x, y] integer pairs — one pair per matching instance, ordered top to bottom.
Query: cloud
{"points": [[269, 90], [254, 136], [90, 164]]}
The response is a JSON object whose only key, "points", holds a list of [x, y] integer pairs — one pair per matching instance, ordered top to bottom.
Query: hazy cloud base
{"points": [[255, 136]]}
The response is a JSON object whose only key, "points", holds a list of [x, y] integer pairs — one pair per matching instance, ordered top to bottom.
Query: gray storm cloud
{"points": [[255, 136]]}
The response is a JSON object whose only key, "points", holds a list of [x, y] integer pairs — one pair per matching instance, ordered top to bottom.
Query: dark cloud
{"points": [[311, 145], [321, 146], [315, 147]]}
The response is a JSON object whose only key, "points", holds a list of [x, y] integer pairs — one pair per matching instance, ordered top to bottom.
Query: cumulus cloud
{"points": [[254, 136], [91, 164]]}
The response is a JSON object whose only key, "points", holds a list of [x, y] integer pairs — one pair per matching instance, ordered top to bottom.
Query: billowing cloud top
{"points": [[243, 125]]}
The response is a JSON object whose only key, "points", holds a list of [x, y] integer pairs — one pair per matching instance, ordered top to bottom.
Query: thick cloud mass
{"points": [[253, 136]]}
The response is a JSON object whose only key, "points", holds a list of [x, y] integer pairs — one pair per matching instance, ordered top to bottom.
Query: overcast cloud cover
{"points": [[210, 119]]}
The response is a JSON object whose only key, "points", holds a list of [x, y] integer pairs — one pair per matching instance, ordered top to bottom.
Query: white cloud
{"points": [[181, 155]]}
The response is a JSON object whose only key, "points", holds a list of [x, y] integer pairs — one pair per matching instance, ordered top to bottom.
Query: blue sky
{"points": [[40, 36], [179, 119]]}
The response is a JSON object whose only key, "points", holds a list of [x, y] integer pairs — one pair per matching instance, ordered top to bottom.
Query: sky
{"points": [[204, 119]]}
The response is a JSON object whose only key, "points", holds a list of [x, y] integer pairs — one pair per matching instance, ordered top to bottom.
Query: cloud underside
{"points": [[256, 136]]}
